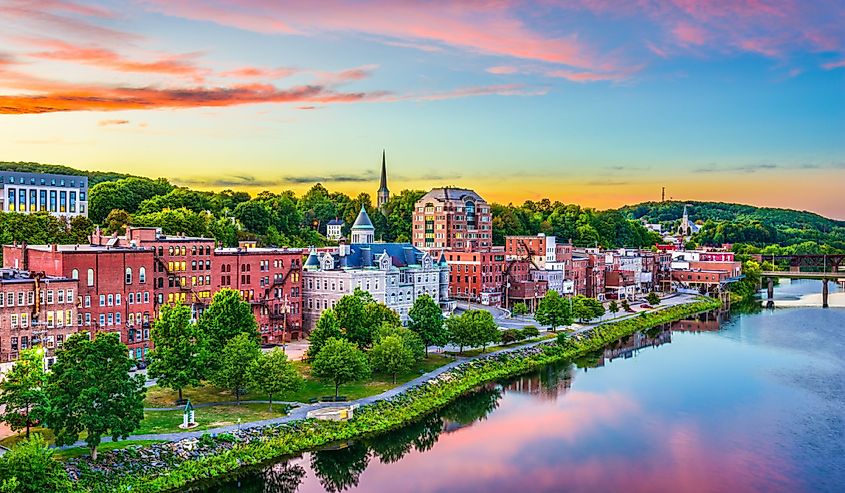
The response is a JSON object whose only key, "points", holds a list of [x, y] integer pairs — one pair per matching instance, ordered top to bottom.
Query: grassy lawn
{"points": [[475, 352], [313, 389], [207, 417], [12, 440], [105, 447]]}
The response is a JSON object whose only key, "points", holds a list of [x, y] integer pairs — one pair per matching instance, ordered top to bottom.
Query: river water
{"points": [[735, 402]]}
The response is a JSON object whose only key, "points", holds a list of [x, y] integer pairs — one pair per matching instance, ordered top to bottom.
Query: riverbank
{"points": [[166, 467]]}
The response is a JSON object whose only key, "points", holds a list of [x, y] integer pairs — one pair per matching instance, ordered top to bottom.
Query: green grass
{"points": [[313, 389], [207, 417], [12, 440], [69, 453]]}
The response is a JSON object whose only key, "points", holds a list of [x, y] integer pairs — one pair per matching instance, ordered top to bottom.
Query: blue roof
{"points": [[363, 220], [336, 222], [365, 255]]}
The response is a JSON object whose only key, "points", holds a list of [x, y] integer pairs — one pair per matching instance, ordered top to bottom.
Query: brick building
{"points": [[452, 218], [540, 249], [182, 267], [476, 275], [270, 280], [115, 290], [35, 310]]}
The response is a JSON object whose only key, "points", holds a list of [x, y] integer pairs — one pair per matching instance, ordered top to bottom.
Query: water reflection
{"points": [[721, 402]]}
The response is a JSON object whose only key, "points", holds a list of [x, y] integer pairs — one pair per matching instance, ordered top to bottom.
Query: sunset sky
{"points": [[597, 102]]}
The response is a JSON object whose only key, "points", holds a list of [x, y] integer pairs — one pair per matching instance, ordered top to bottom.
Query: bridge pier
{"points": [[771, 289], [824, 294]]}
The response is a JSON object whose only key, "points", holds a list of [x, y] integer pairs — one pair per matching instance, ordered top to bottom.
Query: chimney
{"points": [[54, 247], [24, 256]]}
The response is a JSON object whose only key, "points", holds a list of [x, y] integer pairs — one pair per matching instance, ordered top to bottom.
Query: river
{"points": [[737, 402]]}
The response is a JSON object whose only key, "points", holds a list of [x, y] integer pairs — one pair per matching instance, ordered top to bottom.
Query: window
{"points": [[74, 274], [129, 275], [142, 275], [90, 277], [146, 296], [60, 298], [131, 298], [117, 299], [102, 300], [110, 300], [87, 301], [111, 318], [117, 318]]}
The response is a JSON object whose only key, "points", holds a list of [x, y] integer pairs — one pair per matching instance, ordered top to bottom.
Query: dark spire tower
{"points": [[383, 193]]}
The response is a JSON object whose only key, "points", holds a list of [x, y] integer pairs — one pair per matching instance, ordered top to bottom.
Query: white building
{"points": [[60, 195], [334, 229], [395, 274]]}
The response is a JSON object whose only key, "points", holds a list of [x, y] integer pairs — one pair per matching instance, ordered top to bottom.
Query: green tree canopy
{"points": [[553, 310], [226, 317], [426, 319], [327, 327], [391, 355], [177, 360], [340, 362], [237, 364], [273, 374], [23, 391], [90, 391], [30, 468]]}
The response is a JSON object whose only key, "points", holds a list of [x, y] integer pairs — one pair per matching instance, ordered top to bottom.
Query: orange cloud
{"points": [[256, 72], [101, 98], [106, 123]]}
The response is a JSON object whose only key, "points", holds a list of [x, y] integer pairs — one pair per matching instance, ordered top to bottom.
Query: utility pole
{"points": [[663, 194]]}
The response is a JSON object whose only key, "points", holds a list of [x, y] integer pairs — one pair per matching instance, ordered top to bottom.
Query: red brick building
{"points": [[452, 218], [182, 270], [476, 275], [270, 279], [520, 286], [115, 289], [35, 310]]}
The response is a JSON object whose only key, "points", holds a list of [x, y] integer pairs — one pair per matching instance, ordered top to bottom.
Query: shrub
{"points": [[530, 331]]}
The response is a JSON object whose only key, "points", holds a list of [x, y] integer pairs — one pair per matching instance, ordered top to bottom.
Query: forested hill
{"points": [[94, 177], [794, 231]]}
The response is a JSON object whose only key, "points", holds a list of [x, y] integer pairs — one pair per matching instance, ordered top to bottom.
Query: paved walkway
{"points": [[301, 411]]}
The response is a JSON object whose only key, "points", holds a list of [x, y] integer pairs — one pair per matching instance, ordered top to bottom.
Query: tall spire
{"points": [[383, 194]]}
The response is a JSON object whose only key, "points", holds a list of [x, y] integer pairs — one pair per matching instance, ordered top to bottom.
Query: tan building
{"points": [[453, 218]]}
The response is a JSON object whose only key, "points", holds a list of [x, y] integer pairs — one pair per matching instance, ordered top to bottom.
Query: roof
{"points": [[448, 193], [363, 220], [336, 222], [86, 248], [256, 251], [366, 255], [8, 276]]}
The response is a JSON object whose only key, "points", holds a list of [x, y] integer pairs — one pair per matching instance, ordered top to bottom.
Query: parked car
{"points": [[646, 305]]}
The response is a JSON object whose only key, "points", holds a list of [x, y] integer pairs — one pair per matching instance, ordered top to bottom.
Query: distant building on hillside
{"points": [[60, 195], [334, 229]]}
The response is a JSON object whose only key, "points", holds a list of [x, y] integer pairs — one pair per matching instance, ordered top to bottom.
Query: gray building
{"points": [[60, 195], [395, 274]]}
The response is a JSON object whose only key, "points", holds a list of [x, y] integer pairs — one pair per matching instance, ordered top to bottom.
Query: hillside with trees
{"points": [[94, 177], [751, 229]]}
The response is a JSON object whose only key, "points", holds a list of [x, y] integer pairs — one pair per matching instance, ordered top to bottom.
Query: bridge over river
{"points": [[821, 267]]}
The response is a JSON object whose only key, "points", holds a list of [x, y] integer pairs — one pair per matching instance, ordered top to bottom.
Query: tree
{"points": [[116, 221], [653, 299], [626, 306], [613, 307], [520, 308], [584, 308], [553, 310], [350, 314], [226, 317], [426, 319], [327, 327], [485, 328], [460, 331], [530, 331], [510, 336], [411, 339], [391, 355], [177, 359], [340, 362], [237, 364], [274, 375], [90, 390], [23, 393], [30, 468]]}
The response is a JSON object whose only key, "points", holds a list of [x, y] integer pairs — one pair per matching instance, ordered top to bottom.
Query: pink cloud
{"points": [[486, 27], [688, 34], [181, 65], [833, 65], [502, 70], [258, 72], [586, 76], [463, 92]]}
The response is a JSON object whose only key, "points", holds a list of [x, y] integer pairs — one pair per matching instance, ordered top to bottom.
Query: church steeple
{"points": [[383, 193]]}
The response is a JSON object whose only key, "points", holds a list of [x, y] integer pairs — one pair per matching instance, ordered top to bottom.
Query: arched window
{"points": [[470, 212], [170, 250], [194, 250], [160, 251], [74, 274], [142, 274], [129, 275], [90, 277]]}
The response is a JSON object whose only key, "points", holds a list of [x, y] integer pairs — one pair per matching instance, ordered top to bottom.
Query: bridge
{"points": [[822, 267]]}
